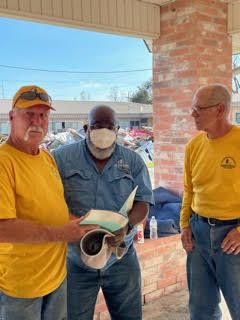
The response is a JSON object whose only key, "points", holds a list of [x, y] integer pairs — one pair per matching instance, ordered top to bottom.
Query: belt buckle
{"points": [[210, 223]]}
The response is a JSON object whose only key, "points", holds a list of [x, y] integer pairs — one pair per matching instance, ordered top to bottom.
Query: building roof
{"points": [[83, 107]]}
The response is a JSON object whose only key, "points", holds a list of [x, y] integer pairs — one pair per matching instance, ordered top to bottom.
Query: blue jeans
{"points": [[209, 269], [120, 283], [50, 307]]}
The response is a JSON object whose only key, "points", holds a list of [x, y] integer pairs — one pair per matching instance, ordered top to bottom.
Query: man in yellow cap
{"points": [[34, 226]]}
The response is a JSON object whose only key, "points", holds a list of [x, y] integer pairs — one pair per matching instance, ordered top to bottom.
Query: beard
{"points": [[98, 153]]}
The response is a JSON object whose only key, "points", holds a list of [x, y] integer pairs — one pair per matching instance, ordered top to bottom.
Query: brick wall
{"points": [[194, 49], [163, 271]]}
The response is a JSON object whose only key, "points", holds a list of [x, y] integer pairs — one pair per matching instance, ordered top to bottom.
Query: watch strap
{"points": [[130, 227]]}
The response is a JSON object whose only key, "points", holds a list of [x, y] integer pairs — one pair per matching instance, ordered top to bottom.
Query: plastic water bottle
{"points": [[153, 228], [140, 233]]}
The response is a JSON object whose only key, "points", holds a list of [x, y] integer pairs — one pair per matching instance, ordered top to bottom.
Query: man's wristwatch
{"points": [[130, 227]]}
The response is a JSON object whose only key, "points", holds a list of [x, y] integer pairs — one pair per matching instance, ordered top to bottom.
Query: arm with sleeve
{"points": [[211, 177], [188, 191]]}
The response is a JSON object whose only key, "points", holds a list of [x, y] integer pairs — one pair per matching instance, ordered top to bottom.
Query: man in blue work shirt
{"points": [[97, 173]]}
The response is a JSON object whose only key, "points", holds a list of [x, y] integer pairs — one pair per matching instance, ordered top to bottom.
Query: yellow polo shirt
{"points": [[212, 177], [31, 189]]}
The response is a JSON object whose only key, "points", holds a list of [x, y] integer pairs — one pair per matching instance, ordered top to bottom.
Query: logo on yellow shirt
{"points": [[228, 163]]}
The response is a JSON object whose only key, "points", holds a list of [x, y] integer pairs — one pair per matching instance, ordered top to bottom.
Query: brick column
{"points": [[194, 49]]}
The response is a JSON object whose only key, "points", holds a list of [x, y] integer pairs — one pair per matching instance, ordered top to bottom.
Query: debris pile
{"points": [[3, 138], [138, 139], [53, 141]]}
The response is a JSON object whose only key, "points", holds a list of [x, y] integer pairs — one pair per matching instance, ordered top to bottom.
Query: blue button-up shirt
{"points": [[88, 188]]}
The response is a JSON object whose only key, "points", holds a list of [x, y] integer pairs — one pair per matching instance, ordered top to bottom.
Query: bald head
{"points": [[214, 94], [102, 115], [101, 132]]}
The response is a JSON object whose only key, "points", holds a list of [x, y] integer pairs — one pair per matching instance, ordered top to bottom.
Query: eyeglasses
{"points": [[32, 95], [199, 109], [102, 126]]}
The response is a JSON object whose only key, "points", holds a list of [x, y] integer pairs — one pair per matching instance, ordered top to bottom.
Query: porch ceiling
{"points": [[159, 2], [138, 18]]}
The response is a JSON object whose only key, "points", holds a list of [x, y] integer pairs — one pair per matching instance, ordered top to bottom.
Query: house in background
{"points": [[235, 112], [73, 114]]}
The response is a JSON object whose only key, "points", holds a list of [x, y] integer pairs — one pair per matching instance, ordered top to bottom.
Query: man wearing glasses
{"points": [[98, 173], [210, 215], [34, 223]]}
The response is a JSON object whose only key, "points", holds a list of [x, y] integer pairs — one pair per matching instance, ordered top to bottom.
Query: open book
{"points": [[111, 220], [94, 247]]}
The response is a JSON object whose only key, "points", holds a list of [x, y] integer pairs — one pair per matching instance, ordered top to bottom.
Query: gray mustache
{"points": [[35, 128]]}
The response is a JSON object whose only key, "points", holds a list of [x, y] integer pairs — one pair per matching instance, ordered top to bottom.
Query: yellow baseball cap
{"points": [[29, 96]]}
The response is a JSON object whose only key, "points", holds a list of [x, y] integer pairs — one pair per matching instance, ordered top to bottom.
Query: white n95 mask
{"points": [[103, 138]]}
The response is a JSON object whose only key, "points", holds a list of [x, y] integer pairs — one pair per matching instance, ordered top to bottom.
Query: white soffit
{"points": [[159, 2], [234, 16], [130, 17], [234, 24], [236, 43]]}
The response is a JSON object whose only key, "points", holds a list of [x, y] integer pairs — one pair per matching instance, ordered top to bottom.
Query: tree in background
{"points": [[236, 74], [114, 94], [143, 94], [84, 95]]}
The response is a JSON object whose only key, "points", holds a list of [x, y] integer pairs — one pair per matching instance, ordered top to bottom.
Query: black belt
{"points": [[217, 222]]}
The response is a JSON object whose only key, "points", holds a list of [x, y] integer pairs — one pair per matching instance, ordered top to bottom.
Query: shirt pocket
{"points": [[76, 179], [121, 185], [77, 186]]}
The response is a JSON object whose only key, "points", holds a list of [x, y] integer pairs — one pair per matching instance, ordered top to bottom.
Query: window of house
{"points": [[237, 117], [134, 123]]}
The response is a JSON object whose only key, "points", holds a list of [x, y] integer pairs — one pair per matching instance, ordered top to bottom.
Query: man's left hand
{"points": [[117, 240], [231, 243]]}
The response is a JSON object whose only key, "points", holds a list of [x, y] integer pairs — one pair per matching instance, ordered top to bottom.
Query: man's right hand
{"points": [[19, 230], [73, 231], [186, 237]]}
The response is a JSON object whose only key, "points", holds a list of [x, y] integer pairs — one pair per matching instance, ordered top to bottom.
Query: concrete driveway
{"points": [[173, 307]]}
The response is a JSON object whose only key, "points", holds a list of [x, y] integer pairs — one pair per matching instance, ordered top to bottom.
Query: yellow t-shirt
{"points": [[212, 177], [31, 189]]}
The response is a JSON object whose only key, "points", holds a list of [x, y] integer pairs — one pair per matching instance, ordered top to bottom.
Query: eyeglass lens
{"points": [[31, 95], [102, 126]]}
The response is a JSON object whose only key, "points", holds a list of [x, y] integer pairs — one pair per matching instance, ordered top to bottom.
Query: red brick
{"points": [[179, 5], [195, 42], [179, 52], [193, 56], [154, 244], [152, 262], [148, 271], [169, 272], [182, 278], [149, 288], [172, 288], [153, 295]]}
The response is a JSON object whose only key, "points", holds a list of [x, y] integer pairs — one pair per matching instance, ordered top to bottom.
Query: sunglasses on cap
{"points": [[32, 95]]}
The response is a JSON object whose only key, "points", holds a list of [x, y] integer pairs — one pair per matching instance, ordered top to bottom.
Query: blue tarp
{"points": [[166, 211]]}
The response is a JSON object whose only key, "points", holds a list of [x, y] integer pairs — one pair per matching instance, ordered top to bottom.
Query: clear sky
{"points": [[41, 46]]}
